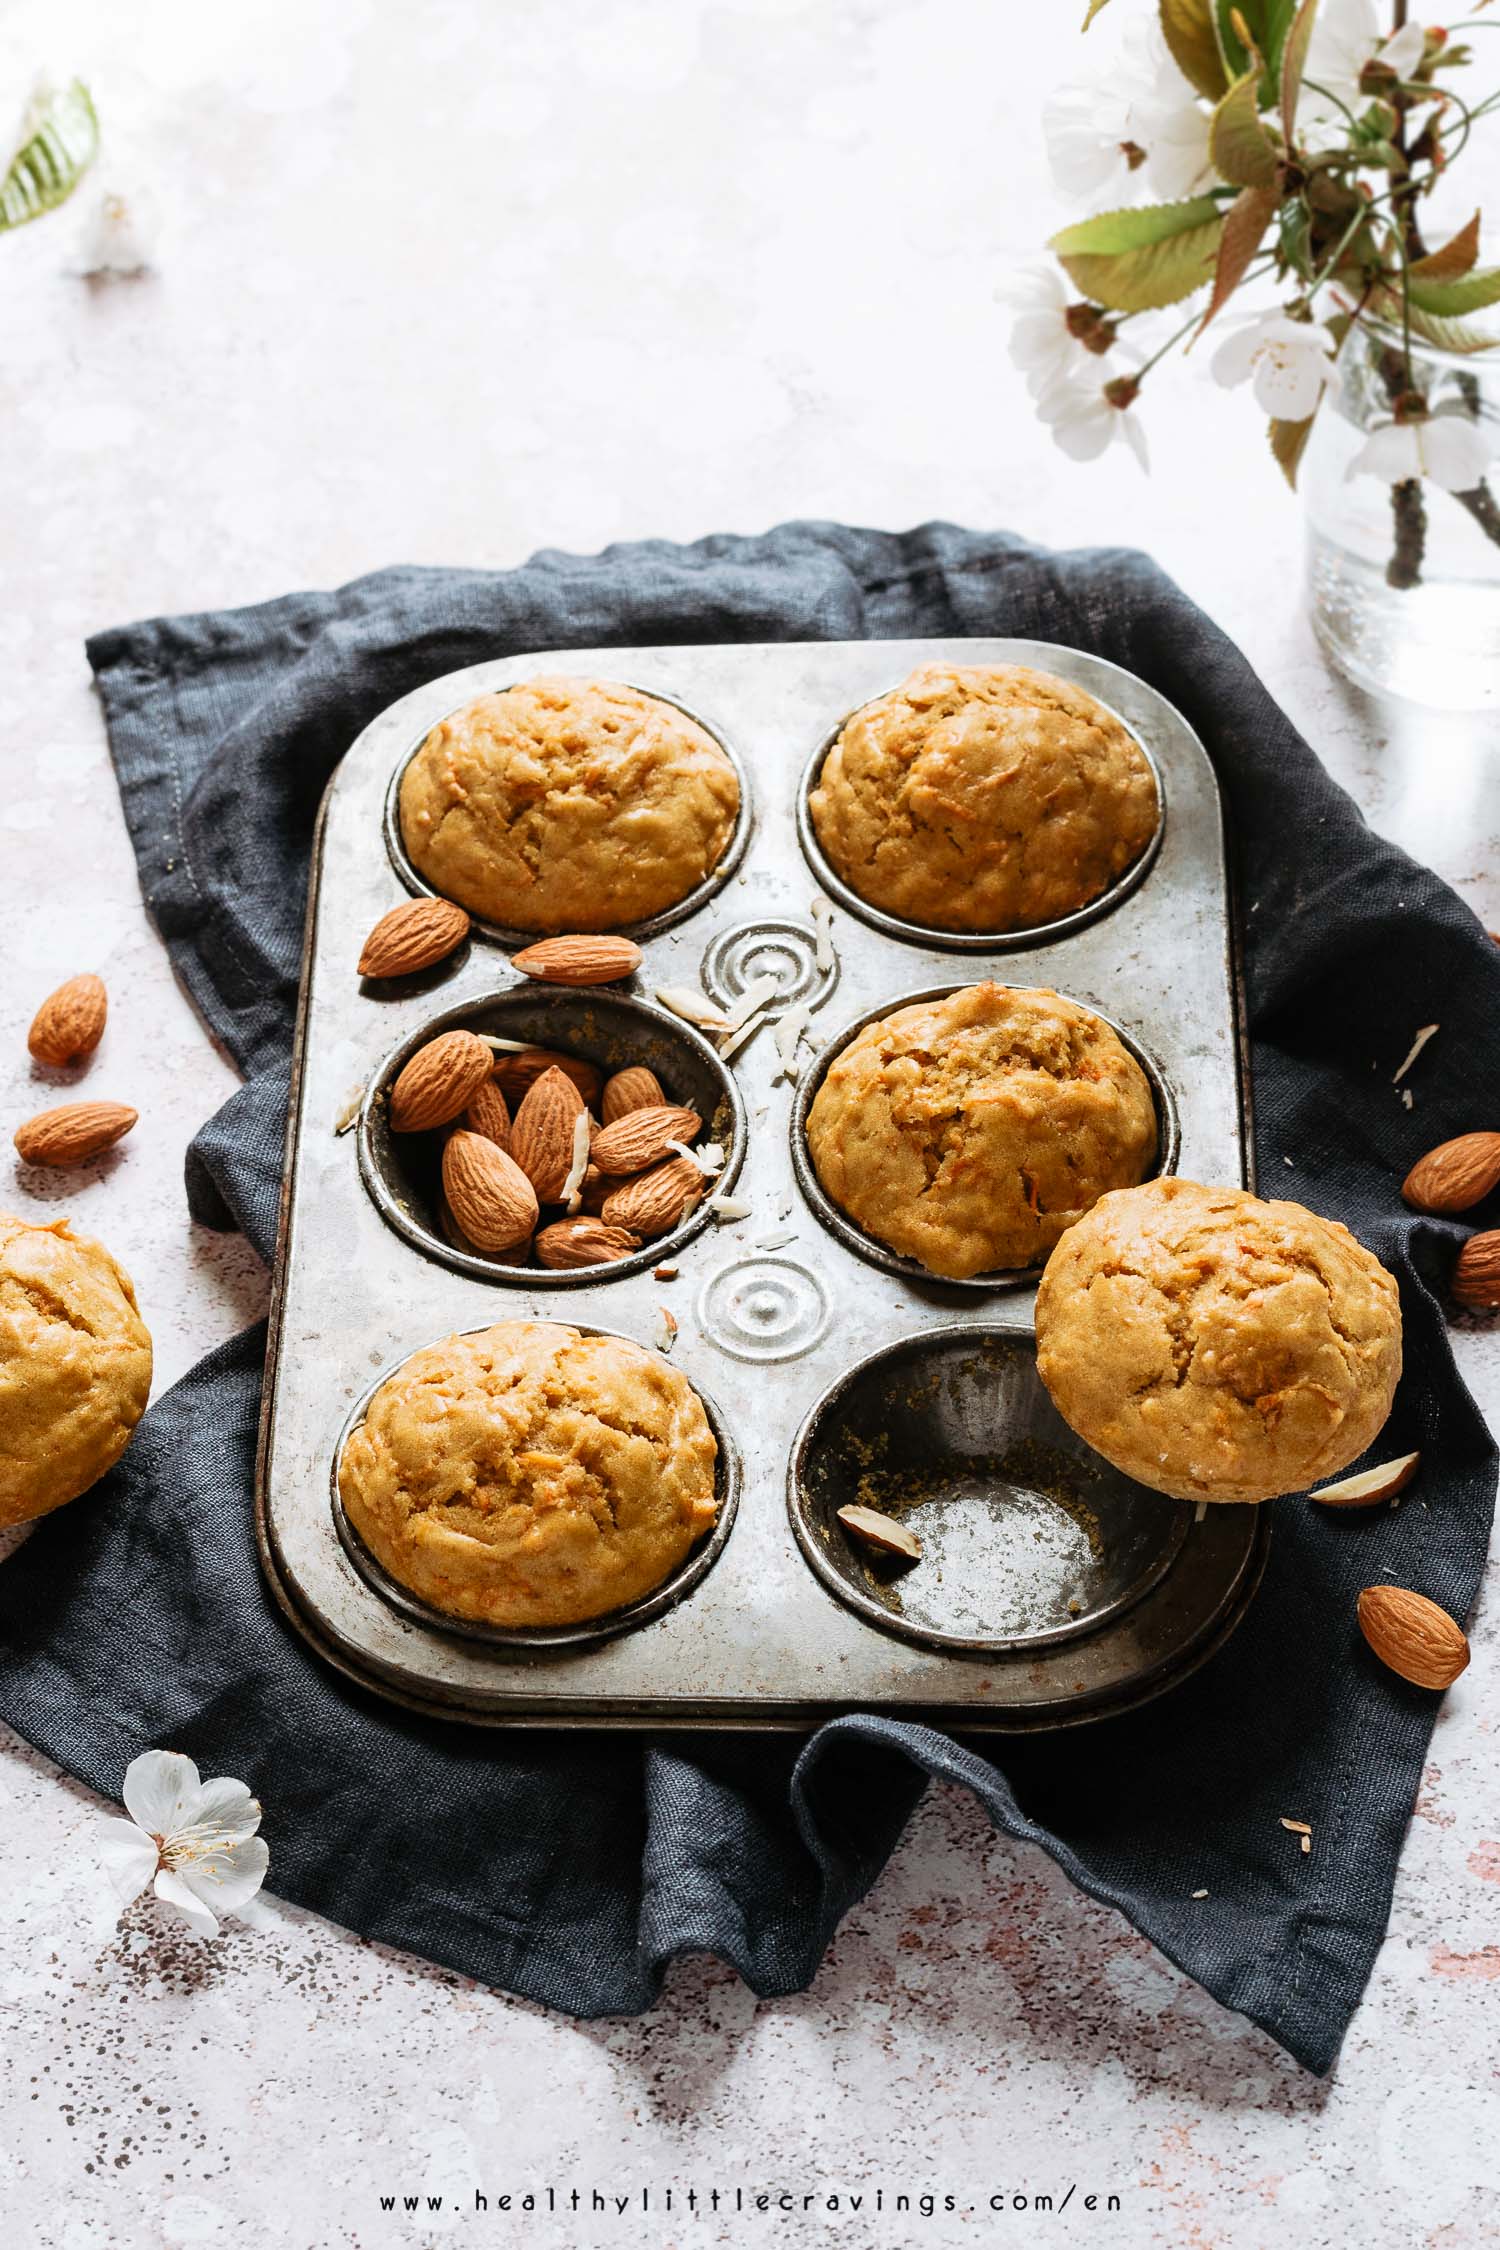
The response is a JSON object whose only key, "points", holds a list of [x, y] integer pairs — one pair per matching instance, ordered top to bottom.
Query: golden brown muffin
{"points": [[983, 797], [567, 804], [969, 1132], [1217, 1347], [75, 1365], [529, 1475]]}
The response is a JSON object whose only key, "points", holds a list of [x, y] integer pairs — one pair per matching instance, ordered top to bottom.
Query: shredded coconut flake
{"points": [[822, 917], [758, 993], [693, 1007], [790, 1026], [747, 1030], [1428, 1031], [501, 1046], [350, 1110], [709, 1159], [572, 1187], [726, 1207], [776, 1241]]}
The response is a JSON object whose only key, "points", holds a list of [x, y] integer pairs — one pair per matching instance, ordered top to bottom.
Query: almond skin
{"points": [[415, 935], [579, 960], [69, 1024], [516, 1074], [439, 1082], [637, 1088], [488, 1114], [73, 1133], [541, 1137], [640, 1138], [1455, 1175], [488, 1193], [658, 1201], [583, 1242], [1476, 1276], [1371, 1486], [884, 1532], [1413, 1636]]}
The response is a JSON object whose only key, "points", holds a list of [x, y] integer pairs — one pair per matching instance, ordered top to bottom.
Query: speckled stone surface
{"points": [[443, 286]]}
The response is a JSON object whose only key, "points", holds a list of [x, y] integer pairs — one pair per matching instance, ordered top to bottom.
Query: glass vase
{"points": [[1405, 580]]}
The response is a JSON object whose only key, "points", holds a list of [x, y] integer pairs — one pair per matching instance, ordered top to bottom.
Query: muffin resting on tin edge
{"points": [[983, 797], [564, 804], [969, 1132], [1216, 1347], [530, 1475]]}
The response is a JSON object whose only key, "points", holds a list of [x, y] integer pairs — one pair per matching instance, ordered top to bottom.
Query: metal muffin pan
{"points": [[505, 934], [849, 1232], [792, 1328], [547, 1640]]}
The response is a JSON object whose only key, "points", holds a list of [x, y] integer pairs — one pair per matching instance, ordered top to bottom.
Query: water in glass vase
{"points": [[1405, 584]]}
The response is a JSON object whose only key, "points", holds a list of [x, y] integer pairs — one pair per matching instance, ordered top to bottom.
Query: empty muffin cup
{"points": [[402, 1171], [1027, 1538]]}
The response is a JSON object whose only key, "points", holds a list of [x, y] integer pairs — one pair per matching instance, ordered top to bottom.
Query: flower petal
{"points": [[1403, 51], [1234, 361], [1289, 384], [1133, 431], [1391, 452], [1455, 453], [157, 1785], [225, 1807], [128, 1857], [225, 1881], [174, 1893]]}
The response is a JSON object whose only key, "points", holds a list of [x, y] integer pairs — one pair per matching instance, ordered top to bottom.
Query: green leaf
{"points": [[1268, 22], [1188, 28], [1294, 62], [62, 141], [1239, 146], [1245, 223], [1456, 257], [1135, 260], [1450, 300], [1446, 334], [1289, 443]]}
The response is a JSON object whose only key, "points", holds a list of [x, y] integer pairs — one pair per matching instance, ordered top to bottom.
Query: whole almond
{"points": [[415, 935], [579, 960], [69, 1024], [516, 1074], [439, 1082], [636, 1088], [488, 1114], [73, 1133], [541, 1136], [640, 1138], [1455, 1175], [594, 1189], [488, 1193], [658, 1201], [583, 1242], [1476, 1276], [1413, 1636]]}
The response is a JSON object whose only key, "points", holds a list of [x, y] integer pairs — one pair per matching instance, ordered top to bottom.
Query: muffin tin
{"points": [[1051, 1590]]}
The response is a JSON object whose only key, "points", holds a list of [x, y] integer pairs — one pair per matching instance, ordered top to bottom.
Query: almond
{"points": [[413, 936], [579, 960], [69, 1024], [516, 1074], [439, 1082], [637, 1088], [487, 1114], [73, 1133], [640, 1137], [541, 1138], [1454, 1175], [594, 1190], [488, 1193], [658, 1201], [583, 1242], [1476, 1276], [1371, 1485], [884, 1532], [1413, 1636]]}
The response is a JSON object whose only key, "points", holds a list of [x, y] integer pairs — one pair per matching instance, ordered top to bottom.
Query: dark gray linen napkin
{"points": [[572, 1868]]}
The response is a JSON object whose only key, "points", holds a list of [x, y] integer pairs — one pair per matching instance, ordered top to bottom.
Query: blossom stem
{"points": [[1404, 570]]}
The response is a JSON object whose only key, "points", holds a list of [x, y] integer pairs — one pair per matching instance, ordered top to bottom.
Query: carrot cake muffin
{"points": [[983, 797], [564, 804], [968, 1132], [1217, 1347], [75, 1365], [530, 1475]]}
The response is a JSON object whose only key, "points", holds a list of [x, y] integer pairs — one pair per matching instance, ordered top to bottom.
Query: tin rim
{"points": [[500, 933], [1035, 934], [403, 1221], [875, 1253], [873, 1612], [545, 1640]]}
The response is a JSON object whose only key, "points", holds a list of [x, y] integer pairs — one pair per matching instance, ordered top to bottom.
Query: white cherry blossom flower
{"points": [[1349, 35], [1141, 125], [1045, 343], [1289, 362], [1084, 419], [1447, 449], [193, 1841]]}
